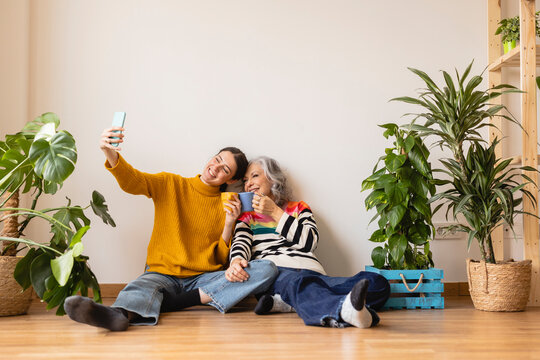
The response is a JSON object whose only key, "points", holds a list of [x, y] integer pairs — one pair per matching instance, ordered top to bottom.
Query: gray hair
{"points": [[280, 186]]}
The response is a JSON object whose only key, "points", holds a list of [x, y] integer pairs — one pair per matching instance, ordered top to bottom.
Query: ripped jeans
{"points": [[144, 295]]}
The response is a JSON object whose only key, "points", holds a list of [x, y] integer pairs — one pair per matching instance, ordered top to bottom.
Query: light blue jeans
{"points": [[144, 295]]}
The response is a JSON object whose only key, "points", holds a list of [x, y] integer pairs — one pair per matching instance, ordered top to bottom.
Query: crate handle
{"points": [[417, 284]]}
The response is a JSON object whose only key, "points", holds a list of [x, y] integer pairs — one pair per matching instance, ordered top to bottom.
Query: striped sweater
{"points": [[290, 242]]}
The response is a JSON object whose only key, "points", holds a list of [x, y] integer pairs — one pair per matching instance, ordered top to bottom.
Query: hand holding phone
{"points": [[118, 121]]}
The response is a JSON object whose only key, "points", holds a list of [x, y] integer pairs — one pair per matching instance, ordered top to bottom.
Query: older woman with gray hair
{"points": [[285, 233]]}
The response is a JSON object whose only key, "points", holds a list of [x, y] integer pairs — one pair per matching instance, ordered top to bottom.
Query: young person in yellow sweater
{"points": [[188, 248]]}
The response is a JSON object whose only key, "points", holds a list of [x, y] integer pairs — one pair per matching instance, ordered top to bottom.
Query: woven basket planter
{"points": [[504, 286], [13, 301]]}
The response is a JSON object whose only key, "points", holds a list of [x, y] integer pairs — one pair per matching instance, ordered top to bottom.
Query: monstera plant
{"points": [[37, 161]]}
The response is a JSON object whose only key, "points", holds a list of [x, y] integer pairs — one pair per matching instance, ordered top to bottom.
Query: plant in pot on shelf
{"points": [[509, 31], [37, 161], [479, 188], [400, 193]]}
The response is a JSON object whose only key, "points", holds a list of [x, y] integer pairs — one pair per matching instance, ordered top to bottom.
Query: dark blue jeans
{"points": [[318, 298]]}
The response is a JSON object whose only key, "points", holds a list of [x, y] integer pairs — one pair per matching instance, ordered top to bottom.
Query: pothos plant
{"points": [[509, 28], [38, 160], [400, 192]]}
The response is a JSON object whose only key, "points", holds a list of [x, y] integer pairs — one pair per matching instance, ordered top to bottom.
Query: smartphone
{"points": [[118, 121]]}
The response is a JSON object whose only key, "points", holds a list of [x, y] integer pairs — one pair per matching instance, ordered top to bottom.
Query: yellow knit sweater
{"points": [[188, 221]]}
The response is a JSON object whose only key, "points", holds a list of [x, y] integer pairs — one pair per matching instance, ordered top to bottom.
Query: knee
{"points": [[266, 269], [381, 284]]}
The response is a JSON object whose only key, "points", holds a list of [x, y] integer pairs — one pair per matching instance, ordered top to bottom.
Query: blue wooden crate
{"points": [[427, 292]]}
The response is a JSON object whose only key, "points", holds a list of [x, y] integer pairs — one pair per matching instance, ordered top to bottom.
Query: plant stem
{"points": [[14, 191], [33, 207], [23, 211], [30, 242], [482, 248], [490, 258]]}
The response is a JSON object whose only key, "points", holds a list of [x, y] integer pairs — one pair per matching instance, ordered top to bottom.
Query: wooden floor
{"points": [[457, 332]]}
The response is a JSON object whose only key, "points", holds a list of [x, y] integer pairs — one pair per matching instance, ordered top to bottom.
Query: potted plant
{"points": [[509, 31], [38, 160], [480, 188], [400, 193]]}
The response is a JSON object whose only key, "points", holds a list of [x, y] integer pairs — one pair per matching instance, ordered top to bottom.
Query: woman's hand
{"points": [[106, 141], [262, 204], [232, 209], [236, 272]]}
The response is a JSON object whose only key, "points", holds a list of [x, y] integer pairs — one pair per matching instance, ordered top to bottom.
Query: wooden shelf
{"points": [[526, 58], [511, 59], [516, 160]]}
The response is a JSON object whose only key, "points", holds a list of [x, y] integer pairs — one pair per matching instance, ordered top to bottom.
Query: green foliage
{"points": [[509, 28], [39, 159], [480, 187], [400, 192]]}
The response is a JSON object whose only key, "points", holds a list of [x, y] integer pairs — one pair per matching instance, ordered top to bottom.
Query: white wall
{"points": [[14, 79], [303, 81]]}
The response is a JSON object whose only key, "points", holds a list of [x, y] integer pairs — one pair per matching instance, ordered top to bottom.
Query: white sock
{"points": [[280, 305], [359, 318]]}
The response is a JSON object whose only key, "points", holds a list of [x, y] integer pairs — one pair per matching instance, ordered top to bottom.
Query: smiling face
{"points": [[220, 169], [256, 181]]}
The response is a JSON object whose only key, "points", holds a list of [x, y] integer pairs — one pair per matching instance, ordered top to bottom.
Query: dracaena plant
{"points": [[38, 160], [479, 187], [400, 192]]}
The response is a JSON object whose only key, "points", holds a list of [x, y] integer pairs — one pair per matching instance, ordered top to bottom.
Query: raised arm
{"points": [[111, 152], [130, 179]]}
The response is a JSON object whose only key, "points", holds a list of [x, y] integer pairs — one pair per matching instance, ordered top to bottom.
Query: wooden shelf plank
{"points": [[511, 59], [516, 160]]}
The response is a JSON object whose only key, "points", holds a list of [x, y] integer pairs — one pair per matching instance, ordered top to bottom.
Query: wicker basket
{"points": [[504, 286], [13, 301]]}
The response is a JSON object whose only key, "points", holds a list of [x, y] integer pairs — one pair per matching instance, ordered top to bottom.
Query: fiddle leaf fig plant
{"points": [[38, 160], [400, 193]]}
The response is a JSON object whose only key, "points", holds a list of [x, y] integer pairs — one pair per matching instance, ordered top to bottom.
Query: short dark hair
{"points": [[241, 163]]}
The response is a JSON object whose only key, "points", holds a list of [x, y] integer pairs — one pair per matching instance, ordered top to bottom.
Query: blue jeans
{"points": [[145, 294], [318, 298]]}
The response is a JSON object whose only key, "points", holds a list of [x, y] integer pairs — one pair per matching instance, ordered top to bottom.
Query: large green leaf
{"points": [[35, 125], [54, 158], [393, 161], [419, 162], [15, 167], [376, 197], [101, 209], [396, 214], [71, 216], [378, 236], [76, 239], [397, 245], [378, 256], [61, 267], [22, 270], [40, 270]]}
